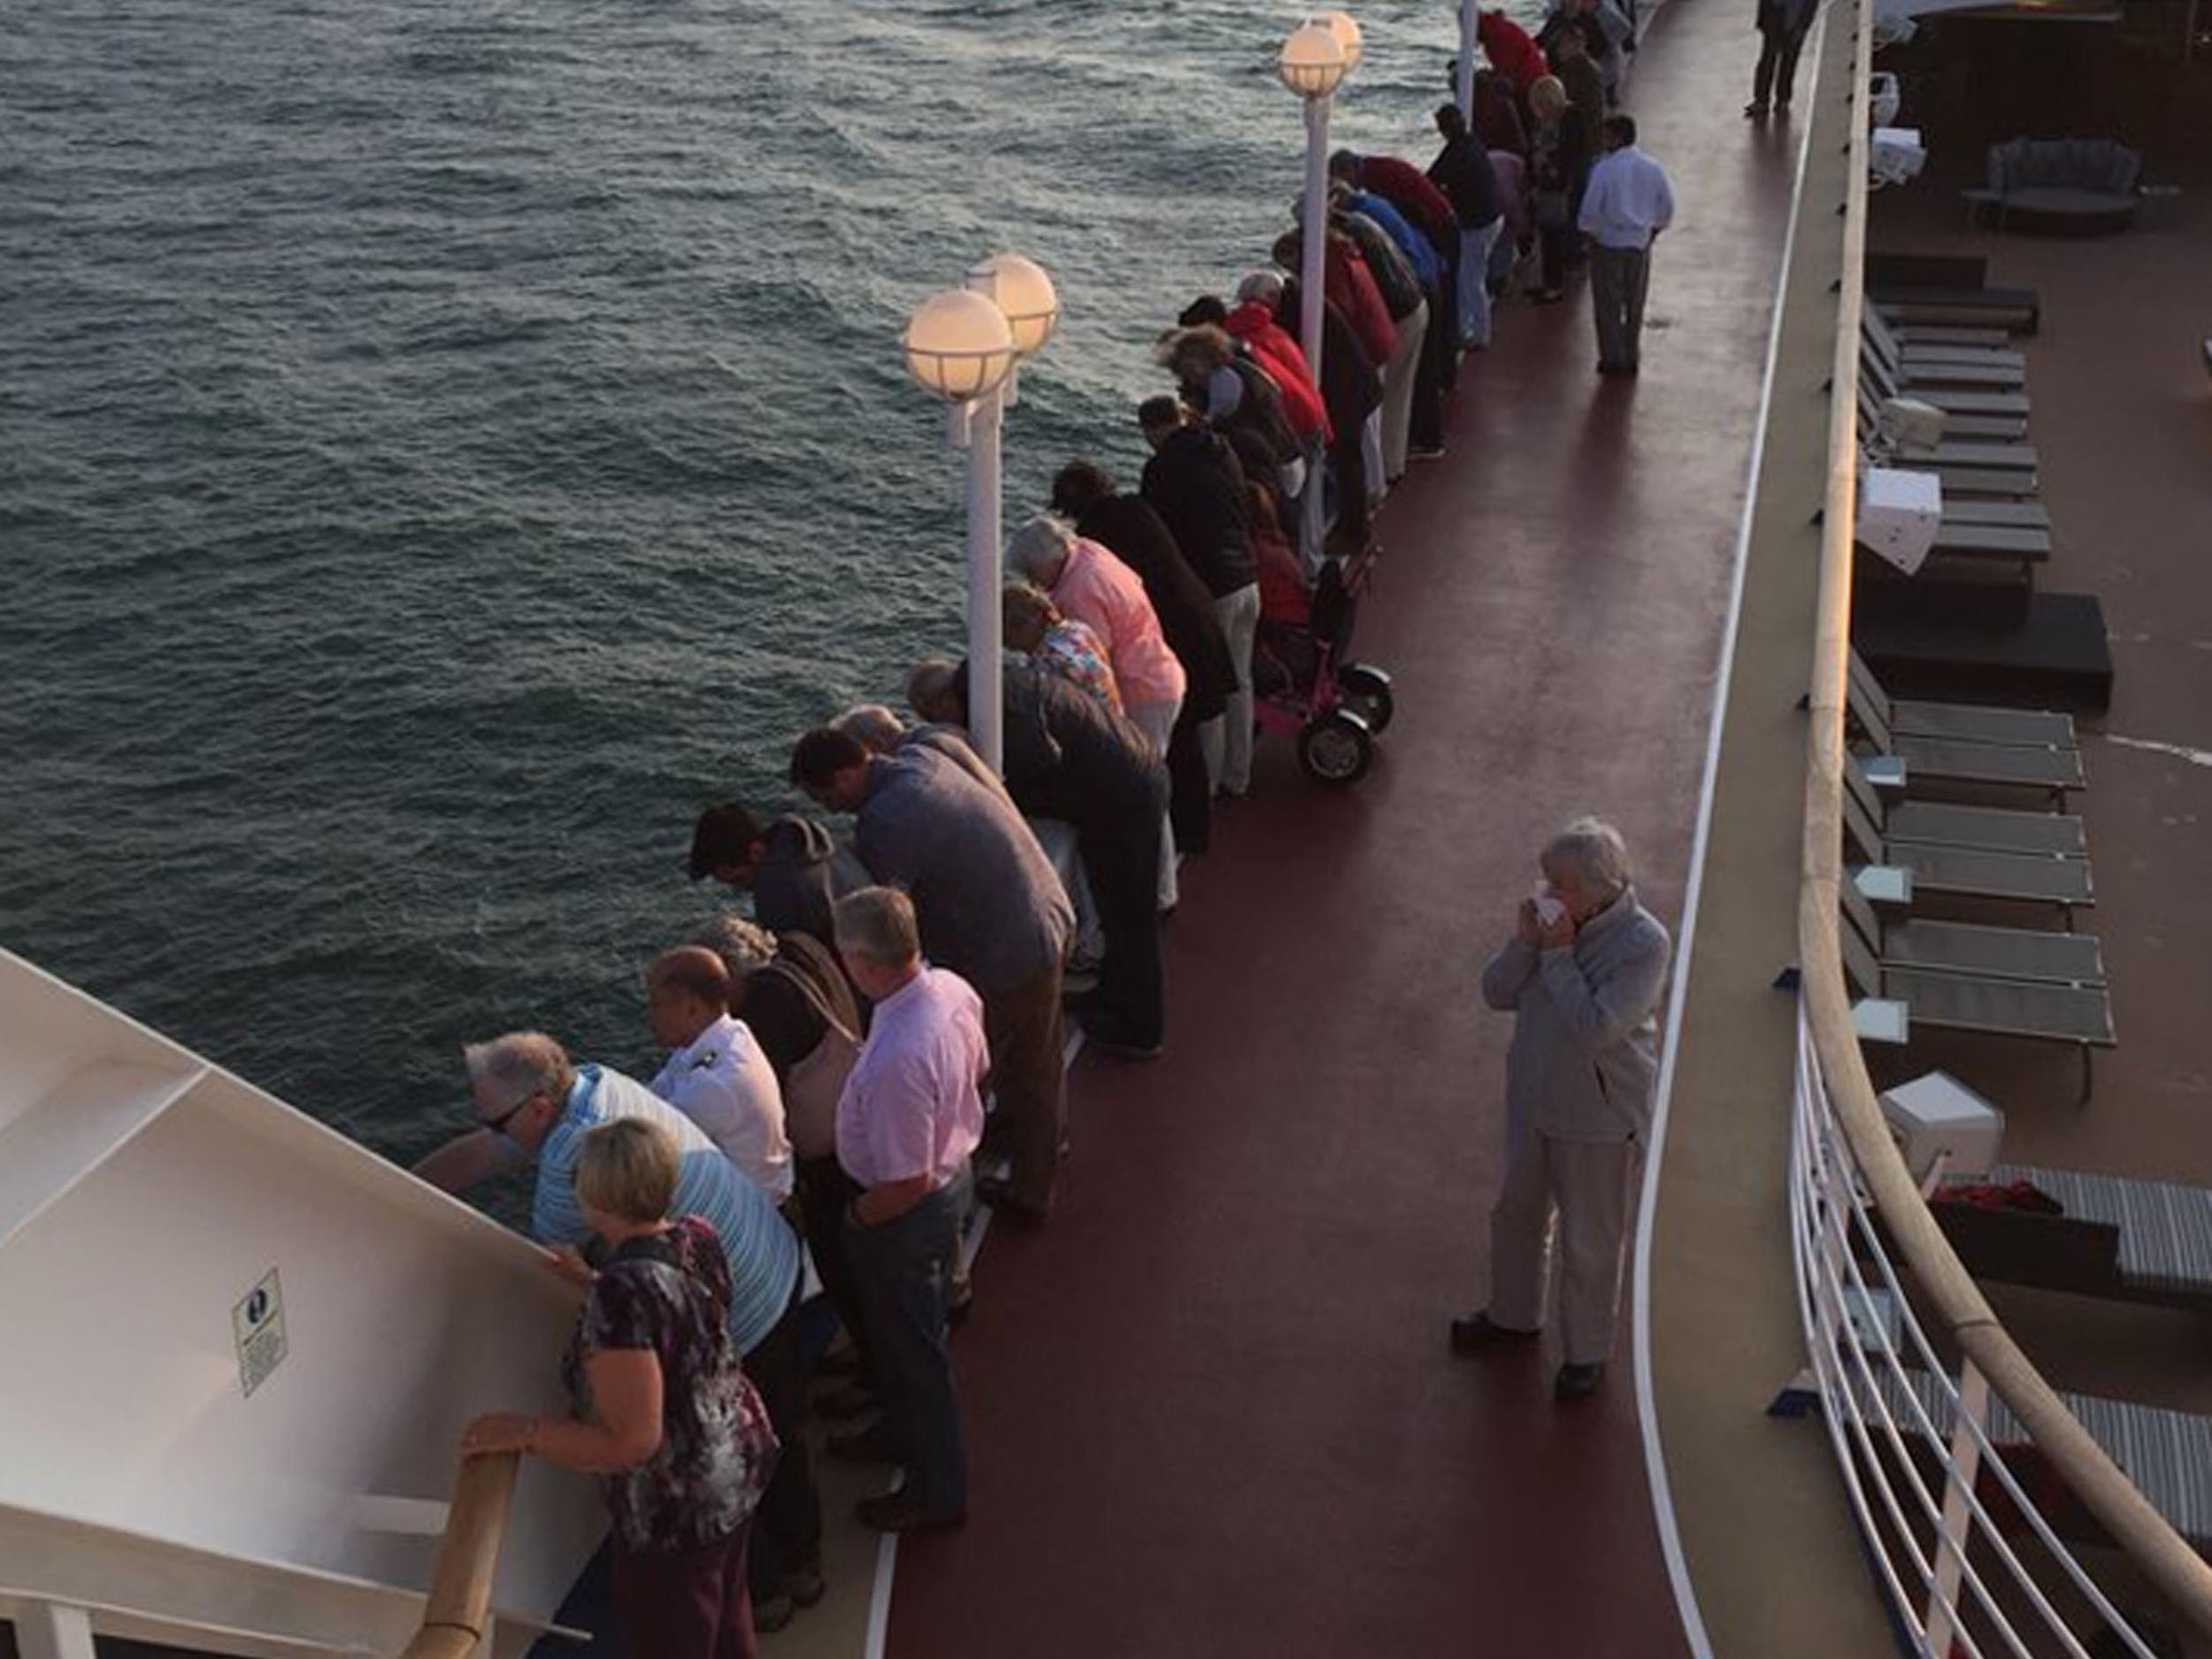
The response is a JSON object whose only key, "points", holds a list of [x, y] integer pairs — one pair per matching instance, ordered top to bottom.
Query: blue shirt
{"points": [[1627, 201], [1419, 251], [763, 1251]]}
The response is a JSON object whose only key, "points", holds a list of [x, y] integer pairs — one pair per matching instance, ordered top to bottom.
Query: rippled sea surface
{"points": [[443, 446]]}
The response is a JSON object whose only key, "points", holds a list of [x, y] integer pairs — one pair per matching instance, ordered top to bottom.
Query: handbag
{"points": [[815, 1084]]}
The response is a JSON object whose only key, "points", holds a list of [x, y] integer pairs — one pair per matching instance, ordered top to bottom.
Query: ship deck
{"points": [[1211, 1406]]}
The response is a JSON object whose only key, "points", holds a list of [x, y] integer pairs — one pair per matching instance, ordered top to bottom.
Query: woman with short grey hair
{"points": [[1581, 974]]}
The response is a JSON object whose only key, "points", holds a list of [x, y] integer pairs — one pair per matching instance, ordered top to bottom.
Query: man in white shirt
{"points": [[1625, 205], [716, 1074], [911, 1114]]}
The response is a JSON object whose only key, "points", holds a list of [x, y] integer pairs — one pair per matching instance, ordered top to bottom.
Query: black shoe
{"points": [[1756, 110], [1424, 451], [1114, 1040], [998, 1191], [1479, 1333], [1577, 1382], [871, 1444], [895, 1512], [805, 1586], [772, 1612]]}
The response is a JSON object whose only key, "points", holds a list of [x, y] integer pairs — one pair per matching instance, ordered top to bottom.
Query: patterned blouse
{"points": [[1072, 651], [669, 1292]]}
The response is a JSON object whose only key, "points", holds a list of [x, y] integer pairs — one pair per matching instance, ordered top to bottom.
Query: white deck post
{"points": [[1964, 1465]]}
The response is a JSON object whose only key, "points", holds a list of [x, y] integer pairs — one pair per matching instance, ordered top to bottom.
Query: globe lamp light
{"points": [[1312, 61], [1022, 291], [958, 344]]}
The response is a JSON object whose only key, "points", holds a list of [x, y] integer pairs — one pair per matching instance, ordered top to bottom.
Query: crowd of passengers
{"points": [[827, 1059]]}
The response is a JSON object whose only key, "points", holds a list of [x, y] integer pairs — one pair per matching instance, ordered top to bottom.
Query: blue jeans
{"points": [[1475, 244], [901, 1270]]}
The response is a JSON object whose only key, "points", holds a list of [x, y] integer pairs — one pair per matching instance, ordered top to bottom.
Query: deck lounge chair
{"points": [[1948, 290], [1898, 353], [1953, 399], [1909, 717], [1945, 742], [1992, 828], [1945, 868], [2033, 956], [2078, 1016], [2118, 1237], [2166, 1454]]}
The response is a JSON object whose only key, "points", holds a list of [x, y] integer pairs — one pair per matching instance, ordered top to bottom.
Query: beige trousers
{"points": [[1586, 1184]]}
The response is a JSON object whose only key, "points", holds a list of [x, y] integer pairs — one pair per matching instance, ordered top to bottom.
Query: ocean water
{"points": [[444, 446]]}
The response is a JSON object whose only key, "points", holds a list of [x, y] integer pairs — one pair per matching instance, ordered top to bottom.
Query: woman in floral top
{"points": [[1070, 648], [664, 1413]]}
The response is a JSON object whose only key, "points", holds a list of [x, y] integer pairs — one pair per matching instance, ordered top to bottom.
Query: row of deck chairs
{"points": [[1989, 471], [1908, 837]]}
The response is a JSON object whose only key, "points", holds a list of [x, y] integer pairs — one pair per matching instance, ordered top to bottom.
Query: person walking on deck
{"points": [[1783, 26], [1462, 170], [1627, 204], [990, 909], [1581, 975], [909, 1116]]}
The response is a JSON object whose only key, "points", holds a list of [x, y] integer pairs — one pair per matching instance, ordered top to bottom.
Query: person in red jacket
{"points": [[1512, 51], [1415, 194], [1348, 285], [1277, 351]]}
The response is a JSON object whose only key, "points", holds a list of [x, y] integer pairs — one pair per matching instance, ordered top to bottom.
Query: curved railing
{"points": [[1952, 1563], [456, 1611]]}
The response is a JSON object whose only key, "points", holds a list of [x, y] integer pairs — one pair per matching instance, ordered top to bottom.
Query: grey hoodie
{"points": [[803, 872], [1585, 1029]]}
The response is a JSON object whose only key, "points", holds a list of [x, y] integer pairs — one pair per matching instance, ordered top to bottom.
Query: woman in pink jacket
{"points": [[1089, 583]]}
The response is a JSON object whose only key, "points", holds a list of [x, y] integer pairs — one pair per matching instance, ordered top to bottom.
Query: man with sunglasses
{"points": [[532, 1105]]}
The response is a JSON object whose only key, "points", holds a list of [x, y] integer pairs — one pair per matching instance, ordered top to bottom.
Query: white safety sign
{"points": [[258, 1325]]}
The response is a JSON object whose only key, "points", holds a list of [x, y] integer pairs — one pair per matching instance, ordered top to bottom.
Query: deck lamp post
{"points": [[1315, 58], [965, 345]]}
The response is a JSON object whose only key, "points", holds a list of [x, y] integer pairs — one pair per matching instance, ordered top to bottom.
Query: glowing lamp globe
{"points": [[1345, 29], [1312, 61], [1022, 291], [958, 344]]}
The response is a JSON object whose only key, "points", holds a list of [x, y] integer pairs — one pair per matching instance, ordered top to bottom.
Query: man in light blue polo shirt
{"points": [[533, 1104]]}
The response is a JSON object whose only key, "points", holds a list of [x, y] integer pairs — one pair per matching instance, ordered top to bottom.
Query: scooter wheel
{"points": [[1365, 690], [1336, 747]]}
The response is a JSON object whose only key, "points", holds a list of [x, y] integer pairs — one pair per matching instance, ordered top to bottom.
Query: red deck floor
{"points": [[1211, 1406]]}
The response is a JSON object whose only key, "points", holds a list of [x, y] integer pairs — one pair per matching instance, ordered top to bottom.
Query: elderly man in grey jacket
{"points": [[1582, 975]]}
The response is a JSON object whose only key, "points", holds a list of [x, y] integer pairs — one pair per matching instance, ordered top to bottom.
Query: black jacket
{"points": [[1195, 482], [1140, 539], [1069, 757]]}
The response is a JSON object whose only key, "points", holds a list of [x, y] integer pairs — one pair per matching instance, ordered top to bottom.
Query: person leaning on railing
{"points": [[1582, 975], [663, 1410]]}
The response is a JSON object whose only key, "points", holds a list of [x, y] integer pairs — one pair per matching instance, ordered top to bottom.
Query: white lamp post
{"points": [[1470, 14], [1315, 56], [964, 345]]}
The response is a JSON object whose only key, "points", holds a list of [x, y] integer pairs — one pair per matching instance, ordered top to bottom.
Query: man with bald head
{"points": [[716, 1074]]}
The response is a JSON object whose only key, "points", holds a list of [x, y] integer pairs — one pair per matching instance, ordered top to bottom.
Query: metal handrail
{"points": [[1949, 1293], [456, 1611]]}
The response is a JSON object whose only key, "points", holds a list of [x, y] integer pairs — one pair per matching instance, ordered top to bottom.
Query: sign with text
{"points": [[256, 1324]]}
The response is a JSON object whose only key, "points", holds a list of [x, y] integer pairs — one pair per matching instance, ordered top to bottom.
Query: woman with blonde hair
{"points": [[1558, 150], [663, 1411]]}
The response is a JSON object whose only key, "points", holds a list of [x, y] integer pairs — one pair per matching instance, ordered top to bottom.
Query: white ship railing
{"points": [[1971, 1565], [1958, 1582]]}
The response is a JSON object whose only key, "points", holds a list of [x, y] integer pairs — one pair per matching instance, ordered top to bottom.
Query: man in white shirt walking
{"points": [[1625, 205], [716, 1074]]}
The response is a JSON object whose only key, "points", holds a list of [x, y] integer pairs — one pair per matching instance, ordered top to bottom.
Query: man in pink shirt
{"points": [[1089, 583], [911, 1114]]}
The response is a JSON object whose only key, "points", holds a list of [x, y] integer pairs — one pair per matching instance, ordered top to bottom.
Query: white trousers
{"points": [[1474, 280], [1398, 377], [1157, 721], [1227, 743], [1586, 1184]]}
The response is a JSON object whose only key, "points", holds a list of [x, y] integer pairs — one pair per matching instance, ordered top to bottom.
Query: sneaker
{"points": [[1479, 1333], [1577, 1382]]}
